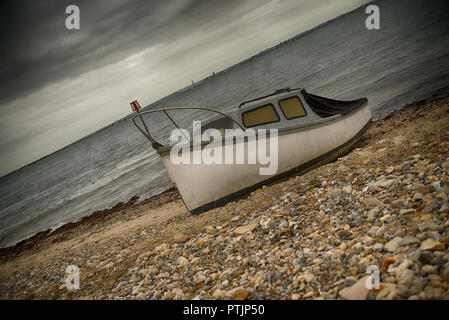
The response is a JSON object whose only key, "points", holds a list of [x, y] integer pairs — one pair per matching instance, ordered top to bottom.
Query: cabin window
{"points": [[292, 108], [259, 116]]}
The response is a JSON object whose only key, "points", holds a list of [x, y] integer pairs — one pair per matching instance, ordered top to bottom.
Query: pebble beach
{"points": [[384, 205]]}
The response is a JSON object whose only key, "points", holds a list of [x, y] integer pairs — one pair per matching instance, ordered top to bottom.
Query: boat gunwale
{"points": [[282, 131]]}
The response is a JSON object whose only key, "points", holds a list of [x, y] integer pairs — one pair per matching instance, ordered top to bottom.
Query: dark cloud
{"points": [[36, 48], [50, 77]]}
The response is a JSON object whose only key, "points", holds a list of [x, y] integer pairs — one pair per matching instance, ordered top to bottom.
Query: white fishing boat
{"points": [[310, 131]]}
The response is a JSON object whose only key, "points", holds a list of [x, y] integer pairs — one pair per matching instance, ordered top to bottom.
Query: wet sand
{"points": [[95, 222]]}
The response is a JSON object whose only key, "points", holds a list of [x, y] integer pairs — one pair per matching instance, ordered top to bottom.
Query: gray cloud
{"points": [[36, 47], [51, 77]]}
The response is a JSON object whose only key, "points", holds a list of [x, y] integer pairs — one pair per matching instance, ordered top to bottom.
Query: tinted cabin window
{"points": [[292, 108], [261, 115]]}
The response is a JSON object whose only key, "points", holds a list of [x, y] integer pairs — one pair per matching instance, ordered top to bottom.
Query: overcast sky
{"points": [[57, 85]]}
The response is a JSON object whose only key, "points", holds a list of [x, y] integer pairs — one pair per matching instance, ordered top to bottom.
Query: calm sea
{"points": [[405, 61]]}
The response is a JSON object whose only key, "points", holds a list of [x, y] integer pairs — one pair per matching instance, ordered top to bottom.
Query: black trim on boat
{"points": [[325, 107], [302, 127], [323, 159]]}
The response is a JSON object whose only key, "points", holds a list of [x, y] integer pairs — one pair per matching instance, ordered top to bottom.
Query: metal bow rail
{"points": [[156, 145]]}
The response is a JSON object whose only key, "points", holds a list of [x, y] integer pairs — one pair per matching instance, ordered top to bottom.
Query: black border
{"points": [[175, 309]]}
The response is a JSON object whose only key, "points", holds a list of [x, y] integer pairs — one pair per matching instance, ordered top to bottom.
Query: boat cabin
{"points": [[282, 109], [285, 109]]}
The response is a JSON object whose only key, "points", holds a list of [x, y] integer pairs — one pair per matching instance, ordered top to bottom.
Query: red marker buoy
{"points": [[135, 106]]}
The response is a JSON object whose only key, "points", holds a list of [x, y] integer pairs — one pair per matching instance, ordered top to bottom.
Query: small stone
{"points": [[400, 140], [406, 166], [389, 170], [385, 183], [436, 186], [347, 189], [336, 193], [417, 196], [371, 202], [399, 203], [406, 211], [372, 214], [235, 218], [283, 224], [429, 225], [210, 229], [244, 229], [372, 231], [380, 231], [180, 237], [409, 240], [367, 241], [394, 244], [431, 244], [162, 247], [378, 247], [425, 257], [182, 261], [405, 264], [109, 265], [429, 269], [149, 271], [445, 272], [403, 274], [163, 275], [309, 277], [434, 277], [199, 279], [349, 281], [357, 291], [402, 291], [387, 293], [433, 293], [218, 294], [239, 294], [309, 294], [295, 296], [372, 296]]}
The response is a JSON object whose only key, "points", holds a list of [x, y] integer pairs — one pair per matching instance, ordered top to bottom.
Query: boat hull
{"points": [[206, 186]]}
